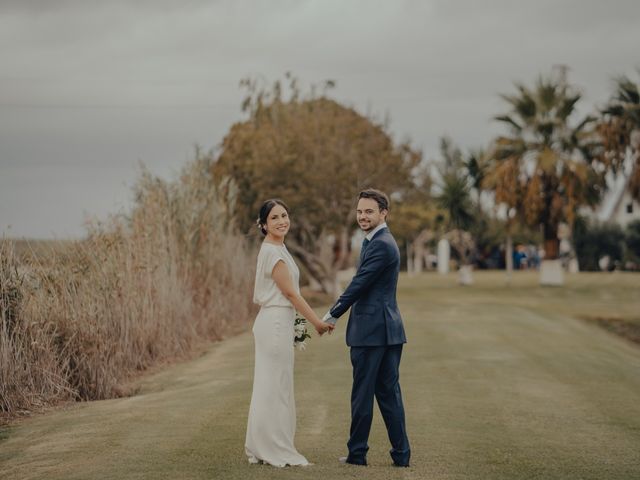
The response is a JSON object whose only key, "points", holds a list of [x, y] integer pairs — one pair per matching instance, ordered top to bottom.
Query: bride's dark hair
{"points": [[265, 209]]}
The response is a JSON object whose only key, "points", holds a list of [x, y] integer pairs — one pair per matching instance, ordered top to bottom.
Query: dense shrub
{"points": [[595, 240], [632, 240], [78, 319]]}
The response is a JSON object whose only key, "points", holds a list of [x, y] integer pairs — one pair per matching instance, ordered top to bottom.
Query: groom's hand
{"points": [[329, 319], [324, 327]]}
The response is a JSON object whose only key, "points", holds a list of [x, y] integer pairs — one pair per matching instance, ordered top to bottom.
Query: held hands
{"points": [[328, 324], [322, 328]]}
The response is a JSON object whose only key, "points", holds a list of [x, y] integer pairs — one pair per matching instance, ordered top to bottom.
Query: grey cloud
{"points": [[87, 83]]}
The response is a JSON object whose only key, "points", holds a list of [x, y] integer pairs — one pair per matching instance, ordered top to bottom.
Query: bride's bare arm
{"points": [[280, 275]]}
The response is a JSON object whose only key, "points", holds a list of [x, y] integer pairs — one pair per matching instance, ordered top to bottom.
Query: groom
{"points": [[374, 333]]}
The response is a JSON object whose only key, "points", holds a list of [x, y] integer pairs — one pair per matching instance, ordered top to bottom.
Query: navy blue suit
{"points": [[375, 334]]}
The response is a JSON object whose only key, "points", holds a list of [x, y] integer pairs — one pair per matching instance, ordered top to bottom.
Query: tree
{"points": [[620, 129], [315, 154], [477, 165], [547, 166], [455, 186], [455, 199], [416, 223], [594, 241]]}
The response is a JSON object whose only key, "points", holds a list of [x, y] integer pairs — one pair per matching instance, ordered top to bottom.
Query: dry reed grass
{"points": [[78, 319]]}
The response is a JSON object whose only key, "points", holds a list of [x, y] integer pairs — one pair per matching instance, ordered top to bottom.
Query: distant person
{"points": [[520, 257], [375, 334], [271, 425]]}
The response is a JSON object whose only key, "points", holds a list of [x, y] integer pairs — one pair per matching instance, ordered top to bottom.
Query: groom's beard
{"points": [[370, 226]]}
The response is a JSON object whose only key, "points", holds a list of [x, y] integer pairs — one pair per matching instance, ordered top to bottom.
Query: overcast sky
{"points": [[90, 88]]}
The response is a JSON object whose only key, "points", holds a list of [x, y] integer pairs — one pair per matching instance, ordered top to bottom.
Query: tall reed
{"points": [[82, 319]]}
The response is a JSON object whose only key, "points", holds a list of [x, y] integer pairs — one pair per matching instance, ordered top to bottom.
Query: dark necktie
{"points": [[365, 243]]}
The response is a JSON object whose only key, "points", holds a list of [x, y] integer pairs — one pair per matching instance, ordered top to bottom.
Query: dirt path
{"points": [[497, 383]]}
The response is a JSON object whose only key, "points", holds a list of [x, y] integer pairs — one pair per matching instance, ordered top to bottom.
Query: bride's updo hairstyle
{"points": [[265, 210]]}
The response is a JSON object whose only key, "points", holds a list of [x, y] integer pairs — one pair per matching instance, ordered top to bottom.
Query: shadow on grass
{"points": [[628, 328]]}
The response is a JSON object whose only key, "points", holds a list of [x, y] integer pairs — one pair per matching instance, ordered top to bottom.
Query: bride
{"points": [[272, 414]]}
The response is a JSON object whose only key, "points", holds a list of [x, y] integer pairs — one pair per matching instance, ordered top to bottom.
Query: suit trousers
{"points": [[376, 374]]}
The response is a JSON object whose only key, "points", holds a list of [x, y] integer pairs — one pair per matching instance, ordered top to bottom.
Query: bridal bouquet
{"points": [[300, 332]]}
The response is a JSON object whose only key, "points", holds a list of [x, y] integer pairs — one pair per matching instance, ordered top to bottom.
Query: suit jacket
{"points": [[374, 319]]}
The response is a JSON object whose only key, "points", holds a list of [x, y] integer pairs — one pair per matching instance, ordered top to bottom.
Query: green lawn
{"points": [[499, 383]]}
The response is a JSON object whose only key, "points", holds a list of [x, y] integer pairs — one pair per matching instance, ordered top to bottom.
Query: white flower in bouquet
{"points": [[300, 332]]}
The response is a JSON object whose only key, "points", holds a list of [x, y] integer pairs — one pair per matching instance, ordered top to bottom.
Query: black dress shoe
{"points": [[401, 465]]}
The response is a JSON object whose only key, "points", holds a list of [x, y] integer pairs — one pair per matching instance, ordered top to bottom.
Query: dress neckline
{"points": [[274, 244]]}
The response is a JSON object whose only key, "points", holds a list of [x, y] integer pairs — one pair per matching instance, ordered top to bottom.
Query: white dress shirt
{"points": [[370, 235]]}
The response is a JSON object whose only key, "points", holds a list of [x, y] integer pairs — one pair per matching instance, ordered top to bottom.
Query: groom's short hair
{"points": [[380, 197]]}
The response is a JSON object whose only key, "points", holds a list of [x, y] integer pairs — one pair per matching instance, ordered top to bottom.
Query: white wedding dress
{"points": [[272, 415]]}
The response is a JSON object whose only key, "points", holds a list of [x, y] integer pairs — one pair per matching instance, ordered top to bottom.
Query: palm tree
{"points": [[620, 129], [477, 165], [547, 166], [455, 186], [455, 199]]}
